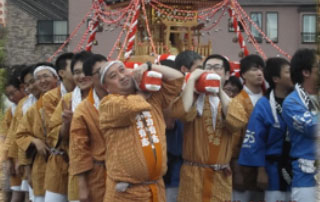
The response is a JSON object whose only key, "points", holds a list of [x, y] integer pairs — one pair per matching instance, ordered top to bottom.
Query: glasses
{"points": [[216, 67]]}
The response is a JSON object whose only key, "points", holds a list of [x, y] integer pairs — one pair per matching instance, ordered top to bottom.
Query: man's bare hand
{"points": [[138, 72], [196, 74], [66, 113], [41, 147], [10, 167], [18, 169], [262, 179], [84, 194]]}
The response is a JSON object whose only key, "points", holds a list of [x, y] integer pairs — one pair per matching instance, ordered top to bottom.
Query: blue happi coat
{"points": [[302, 129], [263, 142]]}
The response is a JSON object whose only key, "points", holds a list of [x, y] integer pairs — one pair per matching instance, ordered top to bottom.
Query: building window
{"points": [[257, 19], [272, 26], [309, 29], [50, 31]]}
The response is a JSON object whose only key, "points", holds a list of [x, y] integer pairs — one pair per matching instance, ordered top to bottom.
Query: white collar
{"points": [[63, 89], [254, 97], [76, 98], [96, 99], [28, 103], [13, 108]]}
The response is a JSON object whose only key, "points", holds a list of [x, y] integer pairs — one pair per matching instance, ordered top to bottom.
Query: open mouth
{"points": [[125, 82]]}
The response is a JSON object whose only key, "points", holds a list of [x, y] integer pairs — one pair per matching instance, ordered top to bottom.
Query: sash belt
{"points": [[55, 151], [215, 167], [123, 186]]}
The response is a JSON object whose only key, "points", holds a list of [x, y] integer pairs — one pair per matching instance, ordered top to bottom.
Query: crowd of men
{"points": [[84, 130]]}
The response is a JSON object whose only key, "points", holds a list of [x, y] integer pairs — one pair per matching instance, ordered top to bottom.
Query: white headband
{"points": [[43, 67], [104, 70]]}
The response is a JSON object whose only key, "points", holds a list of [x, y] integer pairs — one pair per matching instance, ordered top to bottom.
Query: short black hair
{"points": [[80, 57], [186, 58], [303, 59], [61, 61], [250, 61], [90, 62], [225, 62], [169, 63], [273, 69], [16, 70], [28, 70], [13, 81], [235, 81]]}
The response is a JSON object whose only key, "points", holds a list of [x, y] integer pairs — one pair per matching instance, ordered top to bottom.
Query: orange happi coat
{"points": [[239, 112], [204, 144], [87, 148], [130, 157]]}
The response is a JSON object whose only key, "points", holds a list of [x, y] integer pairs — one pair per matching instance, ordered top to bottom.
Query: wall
{"points": [[21, 45]]}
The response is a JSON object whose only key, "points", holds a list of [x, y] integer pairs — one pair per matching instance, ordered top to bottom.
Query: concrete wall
{"points": [[289, 31], [21, 45]]}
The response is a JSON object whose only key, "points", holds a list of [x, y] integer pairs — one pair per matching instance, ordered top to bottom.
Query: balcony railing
{"points": [[308, 37], [51, 39]]}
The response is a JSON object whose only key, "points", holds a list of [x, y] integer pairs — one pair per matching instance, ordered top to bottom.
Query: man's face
{"points": [[216, 65], [315, 71], [67, 72], [96, 73], [254, 76], [285, 79], [46, 80], [118, 80], [82, 81], [31, 85], [231, 90], [14, 94]]}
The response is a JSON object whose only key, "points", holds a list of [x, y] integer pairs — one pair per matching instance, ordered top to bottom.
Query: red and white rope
{"points": [[93, 27], [124, 27], [236, 27], [260, 31], [74, 32], [132, 33]]}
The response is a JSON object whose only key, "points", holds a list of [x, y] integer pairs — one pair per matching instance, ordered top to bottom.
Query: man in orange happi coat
{"points": [[17, 96], [50, 101], [134, 130], [31, 133], [58, 138], [207, 144], [87, 148], [15, 155]]}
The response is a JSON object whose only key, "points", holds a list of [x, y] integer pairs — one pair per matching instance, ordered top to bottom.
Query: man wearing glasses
{"points": [[87, 149], [205, 173]]}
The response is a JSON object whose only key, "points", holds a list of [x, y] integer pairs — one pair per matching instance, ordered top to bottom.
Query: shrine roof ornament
{"points": [[141, 24]]}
